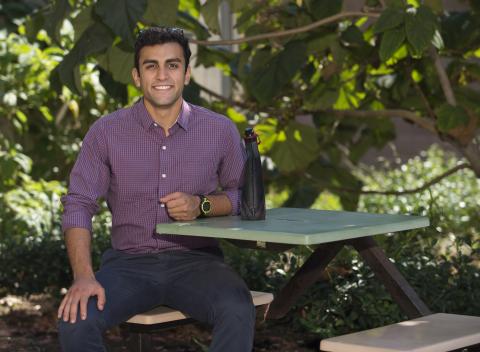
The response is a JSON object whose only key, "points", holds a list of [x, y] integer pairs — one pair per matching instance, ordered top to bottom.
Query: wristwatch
{"points": [[205, 206]]}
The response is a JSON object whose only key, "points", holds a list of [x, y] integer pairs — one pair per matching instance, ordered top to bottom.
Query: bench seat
{"points": [[162, 314], [435, 333]]}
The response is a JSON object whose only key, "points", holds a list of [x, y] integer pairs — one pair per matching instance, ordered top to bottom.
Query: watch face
{"points": [[206, 206]]}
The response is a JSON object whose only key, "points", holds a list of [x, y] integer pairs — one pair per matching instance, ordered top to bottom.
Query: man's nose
{"points": [[162, 73]]}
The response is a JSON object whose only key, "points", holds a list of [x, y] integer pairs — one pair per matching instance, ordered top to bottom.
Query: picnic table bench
{"points": [[142, 325]]}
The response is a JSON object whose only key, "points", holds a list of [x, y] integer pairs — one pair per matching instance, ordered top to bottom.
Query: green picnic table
{"points": [[327, 232]]}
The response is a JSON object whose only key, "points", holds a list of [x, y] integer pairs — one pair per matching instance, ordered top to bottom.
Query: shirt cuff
{"points": [[235, 197], [77, 219]]}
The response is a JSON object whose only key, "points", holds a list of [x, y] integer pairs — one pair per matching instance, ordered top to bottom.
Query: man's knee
{"points": [[77, 336]]}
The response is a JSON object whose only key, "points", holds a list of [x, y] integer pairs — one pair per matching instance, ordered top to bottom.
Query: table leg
{"points": [[388, 274], [307, 275]]}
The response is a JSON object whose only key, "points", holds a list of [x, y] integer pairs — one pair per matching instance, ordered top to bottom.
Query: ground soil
{"points": [[29, 324]]}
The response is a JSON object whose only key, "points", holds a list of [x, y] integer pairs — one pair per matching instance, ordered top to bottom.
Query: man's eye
{"points": [[172, 66], [149, 67]]}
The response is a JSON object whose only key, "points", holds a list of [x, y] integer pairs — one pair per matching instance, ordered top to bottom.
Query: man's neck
{"points": [[165, 117]]}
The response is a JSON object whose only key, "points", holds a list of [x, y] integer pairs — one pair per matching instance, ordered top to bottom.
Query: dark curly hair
{"points": [[161, 35]]}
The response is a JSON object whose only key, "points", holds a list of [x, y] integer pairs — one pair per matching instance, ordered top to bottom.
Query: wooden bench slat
{"points": [[164, 314], [431, 333]]}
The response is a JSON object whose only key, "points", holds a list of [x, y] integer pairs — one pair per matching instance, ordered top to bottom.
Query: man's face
{"points": [[161, 75]]}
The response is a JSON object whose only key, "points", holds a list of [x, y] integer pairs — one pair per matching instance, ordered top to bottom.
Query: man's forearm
{"points": [[221, 204], [78, 244]]}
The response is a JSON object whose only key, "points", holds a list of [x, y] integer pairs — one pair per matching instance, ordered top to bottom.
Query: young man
{"points": [[160, 160]]}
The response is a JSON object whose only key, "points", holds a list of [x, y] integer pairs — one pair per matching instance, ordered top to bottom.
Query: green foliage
{"points": [[161, 12], [390, 18], [420, 25], [391, 42], [64, 64], [335, 66], [271, 74], [450, 117], [441, 262]]}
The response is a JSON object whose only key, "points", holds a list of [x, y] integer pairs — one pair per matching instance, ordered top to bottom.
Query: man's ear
{"points": [[136, 77], [186, 81]]}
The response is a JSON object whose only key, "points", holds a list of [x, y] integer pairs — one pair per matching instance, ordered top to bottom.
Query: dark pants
{"points": [[196, 282]]}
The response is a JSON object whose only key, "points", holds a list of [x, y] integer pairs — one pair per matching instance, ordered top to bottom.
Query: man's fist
{"points": [[182, 206]]}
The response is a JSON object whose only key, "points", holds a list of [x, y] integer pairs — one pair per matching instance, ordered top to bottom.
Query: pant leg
{"points": [[203, 286], [129, 290]]}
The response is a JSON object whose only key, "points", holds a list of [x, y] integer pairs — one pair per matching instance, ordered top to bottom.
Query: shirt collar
{"points": [[146, 120]]}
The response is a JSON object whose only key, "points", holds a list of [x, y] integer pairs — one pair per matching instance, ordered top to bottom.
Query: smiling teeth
{"points": [[161, 87]]}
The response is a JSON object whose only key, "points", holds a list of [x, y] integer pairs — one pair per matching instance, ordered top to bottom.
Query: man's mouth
{"points": [[161, 87]]}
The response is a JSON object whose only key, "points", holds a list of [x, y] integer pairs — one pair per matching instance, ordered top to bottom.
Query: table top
{"points": [[297, 226]]}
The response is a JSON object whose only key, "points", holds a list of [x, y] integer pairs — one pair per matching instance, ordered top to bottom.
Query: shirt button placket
{"points": [[163, 175]]}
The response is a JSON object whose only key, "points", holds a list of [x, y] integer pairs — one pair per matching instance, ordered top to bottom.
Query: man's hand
{"points": [[182, 206], [81, 290]]}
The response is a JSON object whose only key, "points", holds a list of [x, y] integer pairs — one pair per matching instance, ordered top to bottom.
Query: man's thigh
{"points": [[132, 285], [201, 285]]}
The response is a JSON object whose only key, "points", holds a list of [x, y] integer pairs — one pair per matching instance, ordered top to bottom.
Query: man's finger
{"points": [[170, 197], [176, 204], [101, 299], [83, 307], [66, 308], [60, 309], [74, 309]]}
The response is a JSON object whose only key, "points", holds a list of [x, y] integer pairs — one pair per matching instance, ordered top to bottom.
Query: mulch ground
{"points": [[30, 325]]}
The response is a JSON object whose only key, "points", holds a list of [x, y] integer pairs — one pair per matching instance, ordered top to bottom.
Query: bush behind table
{"points": [[441, 262]]}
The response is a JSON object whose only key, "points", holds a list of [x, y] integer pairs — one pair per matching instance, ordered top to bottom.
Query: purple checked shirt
{"points": [[127, 159]]}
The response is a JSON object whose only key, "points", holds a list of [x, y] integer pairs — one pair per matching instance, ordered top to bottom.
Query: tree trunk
{"points": [[472, 153]]}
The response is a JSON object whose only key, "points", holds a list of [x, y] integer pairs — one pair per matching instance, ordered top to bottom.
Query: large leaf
{"points": [[324, 8], [161, 12], [210, 14], [121, 16], [390, 18], [55, 19], [82, 21], [187, 22], [34, 24], [420, 28], [95, 39], [391, 42], [318, 44], [209, 57], [118, 63], [267, 81], [113, 88], [322, 97], [449, 117], [295, 147], [302, 195]]}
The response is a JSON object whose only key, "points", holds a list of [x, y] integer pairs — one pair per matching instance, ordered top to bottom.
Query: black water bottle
{"points": [[253, 192]]}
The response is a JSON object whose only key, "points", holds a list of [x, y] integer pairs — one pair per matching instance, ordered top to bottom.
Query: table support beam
{"points": [[310, 272], [392, 279]]}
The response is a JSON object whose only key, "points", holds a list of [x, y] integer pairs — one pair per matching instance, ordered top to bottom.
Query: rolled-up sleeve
{"points": [[231, 167], [89, 180]]}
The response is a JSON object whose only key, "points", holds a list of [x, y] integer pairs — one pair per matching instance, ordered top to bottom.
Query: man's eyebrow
{"points": [[174, 60], [149, 61]]}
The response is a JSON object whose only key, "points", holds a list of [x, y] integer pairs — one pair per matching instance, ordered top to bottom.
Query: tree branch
{"points": [[309, 27], [442, 75], [405, 114], [399, 193]]}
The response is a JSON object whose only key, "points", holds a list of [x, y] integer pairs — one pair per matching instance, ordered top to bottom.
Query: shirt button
{"points": [[156, 125], [164, 147], [164, 175], [162, 205]]}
